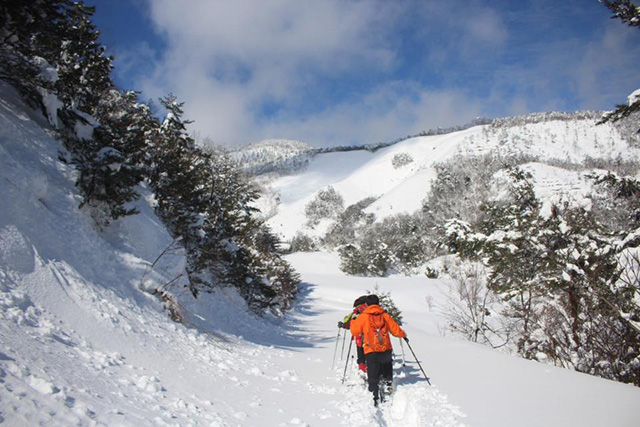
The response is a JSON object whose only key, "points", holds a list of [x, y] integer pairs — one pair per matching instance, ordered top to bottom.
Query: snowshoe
{"points": [[385, 390]]}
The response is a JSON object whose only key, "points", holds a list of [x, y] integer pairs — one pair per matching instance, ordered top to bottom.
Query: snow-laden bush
{"points": [[401, 159], [327, 204], [350, 224], [303, 243], [397, 244]]}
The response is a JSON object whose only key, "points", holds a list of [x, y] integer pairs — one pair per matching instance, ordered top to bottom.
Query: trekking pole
{"points": [[344, 338], [335, 350], [404, 359], [417, 361], [344, 375]]}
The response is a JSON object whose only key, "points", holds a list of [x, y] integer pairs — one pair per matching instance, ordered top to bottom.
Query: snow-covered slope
{"points": [[273, 156], [357, 175], [82, 342]]}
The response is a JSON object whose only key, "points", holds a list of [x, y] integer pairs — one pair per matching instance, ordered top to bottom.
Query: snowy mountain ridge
{"points": [[557, 138], [275, 152], [86, 337]]}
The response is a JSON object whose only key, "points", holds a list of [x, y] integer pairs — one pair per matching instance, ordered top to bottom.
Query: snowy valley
{"points": [[151, 277], [86, 339]]}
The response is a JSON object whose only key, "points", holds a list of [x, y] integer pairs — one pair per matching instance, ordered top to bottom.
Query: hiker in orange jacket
{"points": [[375, 324]]}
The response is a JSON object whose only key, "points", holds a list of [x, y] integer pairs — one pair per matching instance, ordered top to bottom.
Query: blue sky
{"points": [[341, 72]]}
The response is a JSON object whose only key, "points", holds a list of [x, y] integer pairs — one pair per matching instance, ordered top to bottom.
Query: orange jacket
{"points": [[373, 318]]}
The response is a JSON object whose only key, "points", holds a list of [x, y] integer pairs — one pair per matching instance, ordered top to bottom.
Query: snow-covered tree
{"points": [[624, 10], [30, 31], [60, 32], [51, 52], [84, 69], [111, 162], [462, 185], [205, 200], [327, 204], [349, 224], [303, 243], [395, 244], [559, 278]]}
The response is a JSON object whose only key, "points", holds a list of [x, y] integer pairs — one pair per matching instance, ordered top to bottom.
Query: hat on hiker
{"points": [[373, 300]]}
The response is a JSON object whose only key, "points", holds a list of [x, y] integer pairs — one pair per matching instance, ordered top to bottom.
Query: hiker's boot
{"points": [[388, 388]]}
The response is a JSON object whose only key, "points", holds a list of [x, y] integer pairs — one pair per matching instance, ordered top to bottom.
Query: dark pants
{"points": [[360, 355], [379, 365]]}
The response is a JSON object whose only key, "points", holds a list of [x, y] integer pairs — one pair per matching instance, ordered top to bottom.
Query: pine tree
{"points": [[624, 10], [28, 30], [60, 32], [84, 69], [116, 155], [178, 175], [206, 202], [327, 204], [350, 224]]}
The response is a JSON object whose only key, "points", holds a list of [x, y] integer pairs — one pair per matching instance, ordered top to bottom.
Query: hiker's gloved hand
{"points": [[340, 325], [406, 339]]}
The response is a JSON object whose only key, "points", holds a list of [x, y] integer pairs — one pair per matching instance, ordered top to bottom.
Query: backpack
{"points": [[378, 338]]}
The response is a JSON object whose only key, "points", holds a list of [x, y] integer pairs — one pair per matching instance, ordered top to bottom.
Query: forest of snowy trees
{"points": [[51, 54]]}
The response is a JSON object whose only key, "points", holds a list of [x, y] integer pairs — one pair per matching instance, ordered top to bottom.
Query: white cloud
{"points": [[467, 31], [227, 60], [607, 67], [325, 71], [569, 74], [391, 111]]}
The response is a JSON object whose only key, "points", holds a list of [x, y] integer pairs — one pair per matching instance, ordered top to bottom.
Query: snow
{"points": [[634, 96], [51, 104], [357, 175], [84, 342]]}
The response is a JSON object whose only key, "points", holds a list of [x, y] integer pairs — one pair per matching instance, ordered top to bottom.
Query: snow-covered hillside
{"points": [[274, 156], [357, 175], [83, 342]]}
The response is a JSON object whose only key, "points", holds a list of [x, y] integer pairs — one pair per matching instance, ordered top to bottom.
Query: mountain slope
{"points": [[357, 175]]}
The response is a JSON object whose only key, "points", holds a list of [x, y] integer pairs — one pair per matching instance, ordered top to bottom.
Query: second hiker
{"points": [[358, 307]]}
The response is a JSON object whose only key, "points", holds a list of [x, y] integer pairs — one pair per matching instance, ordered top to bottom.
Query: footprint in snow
{"points": [[420, 405]]}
